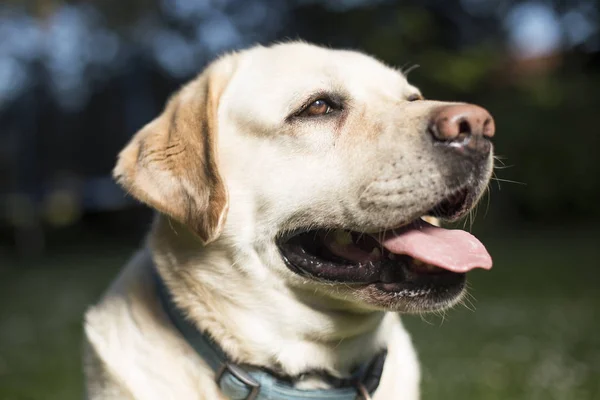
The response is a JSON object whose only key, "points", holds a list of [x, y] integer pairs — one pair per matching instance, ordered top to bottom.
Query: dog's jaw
{"points": [[259, 320]]}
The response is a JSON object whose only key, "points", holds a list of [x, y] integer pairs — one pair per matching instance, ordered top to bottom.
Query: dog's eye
{"points": [[415, 97], [317, 107]]}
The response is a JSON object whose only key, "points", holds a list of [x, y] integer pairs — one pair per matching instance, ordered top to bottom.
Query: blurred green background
{"points": [[78, 78]]}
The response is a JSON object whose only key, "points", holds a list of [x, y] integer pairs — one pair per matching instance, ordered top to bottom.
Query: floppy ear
{"points": [[171, 163]]}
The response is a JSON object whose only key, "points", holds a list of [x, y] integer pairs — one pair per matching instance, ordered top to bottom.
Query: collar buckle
{"points": [[243, 376]]}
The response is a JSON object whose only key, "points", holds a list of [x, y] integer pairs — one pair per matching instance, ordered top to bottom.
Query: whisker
{"points": [[404, 66], [410, 69], [503, 166], [494, 178], [508, 181], [488, 197], [467, 301], [467, 304], [422, 316], [442, 316]]}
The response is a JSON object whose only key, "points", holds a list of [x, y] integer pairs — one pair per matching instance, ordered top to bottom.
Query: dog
{"points": [[297, 191]]}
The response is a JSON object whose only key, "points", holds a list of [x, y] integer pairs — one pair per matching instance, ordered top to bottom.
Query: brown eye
{"points": [[414, 97], [318, 107]]}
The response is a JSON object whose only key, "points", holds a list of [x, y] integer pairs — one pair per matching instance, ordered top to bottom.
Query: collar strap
{"points": [[252, 383]]}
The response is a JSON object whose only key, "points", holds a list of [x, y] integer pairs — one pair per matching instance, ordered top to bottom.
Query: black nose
{"points": [[465, 127]]}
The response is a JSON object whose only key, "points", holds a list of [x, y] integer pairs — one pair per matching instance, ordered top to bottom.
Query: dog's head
{"points": [[321, 166]]}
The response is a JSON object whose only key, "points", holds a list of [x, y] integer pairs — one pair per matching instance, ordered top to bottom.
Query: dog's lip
{"points": [[460, 200], [454, 205], [419, 246], [453, 250], [301, 259], [384, 282]]}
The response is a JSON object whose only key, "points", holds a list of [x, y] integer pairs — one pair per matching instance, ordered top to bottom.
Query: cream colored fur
{"points": [[213, 241]]}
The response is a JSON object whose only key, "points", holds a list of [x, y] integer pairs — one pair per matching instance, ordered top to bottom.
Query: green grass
{"points": [[41, 308], [533, 334]]}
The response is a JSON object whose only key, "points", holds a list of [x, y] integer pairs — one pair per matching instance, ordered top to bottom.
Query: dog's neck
{"points": [[255, 317]]}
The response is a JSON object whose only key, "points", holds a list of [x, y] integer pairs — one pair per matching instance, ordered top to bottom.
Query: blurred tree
{"points": [[78, 78]]}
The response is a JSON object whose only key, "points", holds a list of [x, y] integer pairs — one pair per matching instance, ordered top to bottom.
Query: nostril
{"points": [[456, 123], [464, 127]]}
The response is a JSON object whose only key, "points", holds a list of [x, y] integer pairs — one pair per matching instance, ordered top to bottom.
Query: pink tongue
{"points": [[451, 249]]}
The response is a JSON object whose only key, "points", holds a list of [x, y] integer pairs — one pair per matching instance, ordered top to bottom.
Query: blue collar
{"points": [[253, 383]]}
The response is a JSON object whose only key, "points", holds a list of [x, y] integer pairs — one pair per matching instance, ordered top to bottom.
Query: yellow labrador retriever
{"points": [[293, 184]]}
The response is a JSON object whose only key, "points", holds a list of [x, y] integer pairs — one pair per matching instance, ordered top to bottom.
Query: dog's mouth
{"points": [[417, 260]]}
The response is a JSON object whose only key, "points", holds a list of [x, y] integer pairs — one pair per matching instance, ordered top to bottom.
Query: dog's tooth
{"points": [[432, 220], [342, 237], [376, 252], [391, 256], [418, 263]]}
